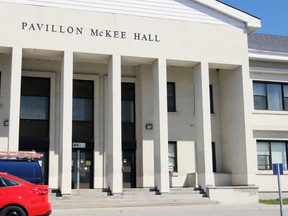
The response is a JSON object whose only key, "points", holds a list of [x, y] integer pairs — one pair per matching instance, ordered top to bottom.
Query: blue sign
{"points": [[275, 169]]}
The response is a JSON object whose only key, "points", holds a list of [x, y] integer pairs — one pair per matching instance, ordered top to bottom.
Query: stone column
{"points": [[15, 94], [66, 122], [160, 126], [203, 126], [114, 136]]}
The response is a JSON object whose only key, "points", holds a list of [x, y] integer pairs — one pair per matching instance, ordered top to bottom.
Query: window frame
{"points": [[266, 96], [270, 152]]}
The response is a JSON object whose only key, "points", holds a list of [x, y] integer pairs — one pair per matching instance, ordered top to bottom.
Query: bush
{"points": [[274, 201]]}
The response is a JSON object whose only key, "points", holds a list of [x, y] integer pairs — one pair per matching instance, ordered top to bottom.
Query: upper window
{"points": [[35, 94], [270, 96], [171, 97], [82, 100], [34, 107], [82, 109], [128, 111], [271, 152], [172, 156]]}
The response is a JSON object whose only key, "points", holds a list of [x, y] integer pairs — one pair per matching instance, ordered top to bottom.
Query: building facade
{"points": [[268, 74], [128, 94]]}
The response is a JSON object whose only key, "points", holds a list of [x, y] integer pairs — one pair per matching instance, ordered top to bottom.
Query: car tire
{"points": [[13, 211]]}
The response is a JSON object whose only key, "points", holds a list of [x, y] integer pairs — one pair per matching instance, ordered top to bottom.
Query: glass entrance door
{"points": [[128, 135], [128, 167], [82, 169]]}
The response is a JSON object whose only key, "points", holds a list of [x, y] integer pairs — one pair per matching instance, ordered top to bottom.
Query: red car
{"points": [[21, 198]]}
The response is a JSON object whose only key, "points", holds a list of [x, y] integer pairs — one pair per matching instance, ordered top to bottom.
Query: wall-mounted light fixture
{"points": [[6, 123], [149, 126]]}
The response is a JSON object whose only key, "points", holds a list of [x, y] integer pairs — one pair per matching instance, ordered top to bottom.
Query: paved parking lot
{"points": [[202, 210]]}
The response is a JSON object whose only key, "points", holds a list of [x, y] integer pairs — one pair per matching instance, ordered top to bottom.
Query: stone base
{"points": [[234, 194]]}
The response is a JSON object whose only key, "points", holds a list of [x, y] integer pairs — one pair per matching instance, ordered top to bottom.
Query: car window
{"points": [[8, 182], [2, 183]]}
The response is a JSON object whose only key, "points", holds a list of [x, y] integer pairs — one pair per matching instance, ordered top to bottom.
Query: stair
{"points": [[136, 197]]}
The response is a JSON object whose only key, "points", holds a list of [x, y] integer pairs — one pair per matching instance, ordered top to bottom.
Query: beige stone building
{"points": [[134, 94]]}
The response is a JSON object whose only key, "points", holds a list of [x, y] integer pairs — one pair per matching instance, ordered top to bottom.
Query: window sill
{"points": [[270, 112], [173, 113], [269, 172], [174, 174]]}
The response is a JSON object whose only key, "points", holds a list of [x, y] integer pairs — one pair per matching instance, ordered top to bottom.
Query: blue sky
{"points": [[273, 14]]}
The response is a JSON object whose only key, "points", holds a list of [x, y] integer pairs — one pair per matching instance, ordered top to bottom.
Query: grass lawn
{"points": [[274, 201]]}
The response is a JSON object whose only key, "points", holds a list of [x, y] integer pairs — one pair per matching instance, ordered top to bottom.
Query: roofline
{"points": [[252, 23], [263, 55]]}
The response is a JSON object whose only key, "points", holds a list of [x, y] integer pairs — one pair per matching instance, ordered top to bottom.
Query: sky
{"points": [[273, 14]]}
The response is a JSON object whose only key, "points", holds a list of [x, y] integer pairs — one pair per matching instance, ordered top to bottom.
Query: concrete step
{"points": [[130, 198]]}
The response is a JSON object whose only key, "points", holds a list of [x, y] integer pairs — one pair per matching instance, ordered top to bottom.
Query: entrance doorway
{"points": [[34, 132], [82, 134], [128, 135], [82, 169], [129, 169]]}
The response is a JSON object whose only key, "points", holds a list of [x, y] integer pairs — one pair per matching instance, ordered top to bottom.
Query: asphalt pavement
{"points": [[194, 210]]}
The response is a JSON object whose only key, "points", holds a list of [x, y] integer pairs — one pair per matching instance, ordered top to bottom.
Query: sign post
{"points": [[278, 170]]}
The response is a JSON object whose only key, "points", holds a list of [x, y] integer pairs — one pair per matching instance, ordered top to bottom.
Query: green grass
{"points": [[274, 201]]}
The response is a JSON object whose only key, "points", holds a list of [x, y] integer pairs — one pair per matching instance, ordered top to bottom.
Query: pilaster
{"points": [[15, 94], [66, 121], [203, 125], [160, 126], [114, 144]]}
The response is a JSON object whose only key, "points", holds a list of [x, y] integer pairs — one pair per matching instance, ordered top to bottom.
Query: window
{"points": [[0, 81], [35, 94], [270, 96], [171, 98], [211, 99], [83, 100], [34, 107], [82, 109], [34, 111], [128, 111], [270, 152], [172, 155], [214, 165], [5, 182], [2, 183]]}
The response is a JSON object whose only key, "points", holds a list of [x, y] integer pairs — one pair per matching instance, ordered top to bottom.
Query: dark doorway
{"points": [[34, 119], [82, 134], [128, 135], [82, 169]]}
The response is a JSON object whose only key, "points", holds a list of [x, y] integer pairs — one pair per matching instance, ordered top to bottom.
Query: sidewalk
{"points": [[200, 210]]}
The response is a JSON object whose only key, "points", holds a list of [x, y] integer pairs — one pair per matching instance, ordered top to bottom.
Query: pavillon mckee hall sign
{"points": [[93, 32]]}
